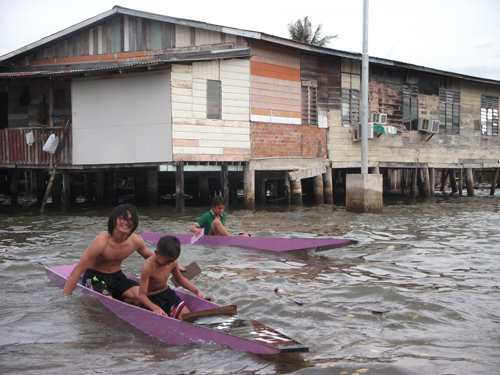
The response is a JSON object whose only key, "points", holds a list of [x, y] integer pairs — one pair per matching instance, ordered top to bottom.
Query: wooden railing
{"points": [[14, 149]]}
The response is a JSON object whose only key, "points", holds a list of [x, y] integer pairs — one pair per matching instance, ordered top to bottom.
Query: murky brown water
{"points": [[419, 294]]}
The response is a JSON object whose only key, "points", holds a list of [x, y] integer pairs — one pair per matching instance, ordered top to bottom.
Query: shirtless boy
{"points": [[212, 222], [102, 260], [154, 293]]}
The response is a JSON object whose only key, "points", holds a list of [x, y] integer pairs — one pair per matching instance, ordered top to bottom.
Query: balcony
{"points": [[16, 151]]}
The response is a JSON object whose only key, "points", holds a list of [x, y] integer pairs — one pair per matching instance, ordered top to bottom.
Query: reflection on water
{"points": [[418, 293]]}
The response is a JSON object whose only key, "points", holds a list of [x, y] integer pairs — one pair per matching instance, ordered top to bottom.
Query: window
{"points": [[214, 89], [309, 103], [410, 106], [350, 107], [449, 111], [489, 115]]}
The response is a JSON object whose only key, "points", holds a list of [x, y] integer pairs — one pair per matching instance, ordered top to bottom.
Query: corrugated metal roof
{"points": [[203, 25], [76, 71]]}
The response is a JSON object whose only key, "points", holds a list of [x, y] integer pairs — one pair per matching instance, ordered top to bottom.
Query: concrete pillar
{"points": [[444, 174], [14, 180], [469, 182], [494, 182], [425, 185], [328, 186], [100, 187], [152, 187], [179, 187], [248, 187], [66, 191], [296, 192], [364, 193], [319, 197]]}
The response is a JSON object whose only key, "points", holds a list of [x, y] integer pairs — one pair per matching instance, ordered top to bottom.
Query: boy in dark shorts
{"points": [[213, 221], [102, 260], [154, 293]]}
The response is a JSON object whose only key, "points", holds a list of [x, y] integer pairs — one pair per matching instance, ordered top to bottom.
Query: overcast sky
{"points": [[460, 36]]}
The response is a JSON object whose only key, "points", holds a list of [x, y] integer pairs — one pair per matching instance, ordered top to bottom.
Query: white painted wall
{"points": [[122, 120], [195, 136]]}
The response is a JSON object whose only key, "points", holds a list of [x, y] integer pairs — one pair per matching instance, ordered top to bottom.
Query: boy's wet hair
{"points": [[217, 200], [123, 211], [169, 246]]}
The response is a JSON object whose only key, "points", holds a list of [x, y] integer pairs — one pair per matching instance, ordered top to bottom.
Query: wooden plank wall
{"points": [[130, 34], [275, 84], [196, 138], [409, 147]]}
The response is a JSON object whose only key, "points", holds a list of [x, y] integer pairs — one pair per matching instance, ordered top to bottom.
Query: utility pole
{"points": [[364, 92]]}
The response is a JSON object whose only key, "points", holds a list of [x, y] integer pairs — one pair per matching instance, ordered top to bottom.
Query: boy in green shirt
{"points": [[212, 222]]}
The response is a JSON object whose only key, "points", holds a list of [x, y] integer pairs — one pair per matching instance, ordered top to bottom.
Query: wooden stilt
{"points": [[54, 166], [444, 175], [14, 180], [432, 180], [453, 181], [224, 182], [460, 182], [494, 182], [152, 187], [179, 187], [288, 190], [66, 191], [413, 192]]}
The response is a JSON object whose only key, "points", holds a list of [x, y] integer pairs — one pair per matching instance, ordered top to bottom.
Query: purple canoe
{"points": [[261, 243], [233, 331]]}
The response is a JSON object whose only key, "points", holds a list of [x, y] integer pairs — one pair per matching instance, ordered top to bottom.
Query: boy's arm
{"points": [[195, 228], [141, 246], [95, 248], [182, 281], [143, 290]]}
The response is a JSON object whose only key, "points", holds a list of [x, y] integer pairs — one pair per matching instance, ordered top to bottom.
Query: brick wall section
{"points": [[287, 141]]}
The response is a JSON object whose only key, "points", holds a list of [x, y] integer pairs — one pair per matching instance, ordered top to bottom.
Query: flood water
{"points": [[418, 294]]}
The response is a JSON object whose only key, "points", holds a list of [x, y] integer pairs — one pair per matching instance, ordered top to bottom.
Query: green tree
{"points": [[301, 31]]}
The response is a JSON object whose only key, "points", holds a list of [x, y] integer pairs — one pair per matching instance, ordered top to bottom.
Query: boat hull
{"points": [[261, 243], [251, 335]]}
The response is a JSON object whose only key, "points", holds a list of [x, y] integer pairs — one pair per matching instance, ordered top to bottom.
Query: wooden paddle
{"points": [[191, 272], [223, 310]]}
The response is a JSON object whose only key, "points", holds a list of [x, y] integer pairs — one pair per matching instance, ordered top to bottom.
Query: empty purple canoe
{"points": [[262, 243], [233, 331]]}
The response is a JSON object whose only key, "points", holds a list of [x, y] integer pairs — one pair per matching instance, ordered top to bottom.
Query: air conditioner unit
{"points": [[379, 118], [428, 126], [370, 131]]}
